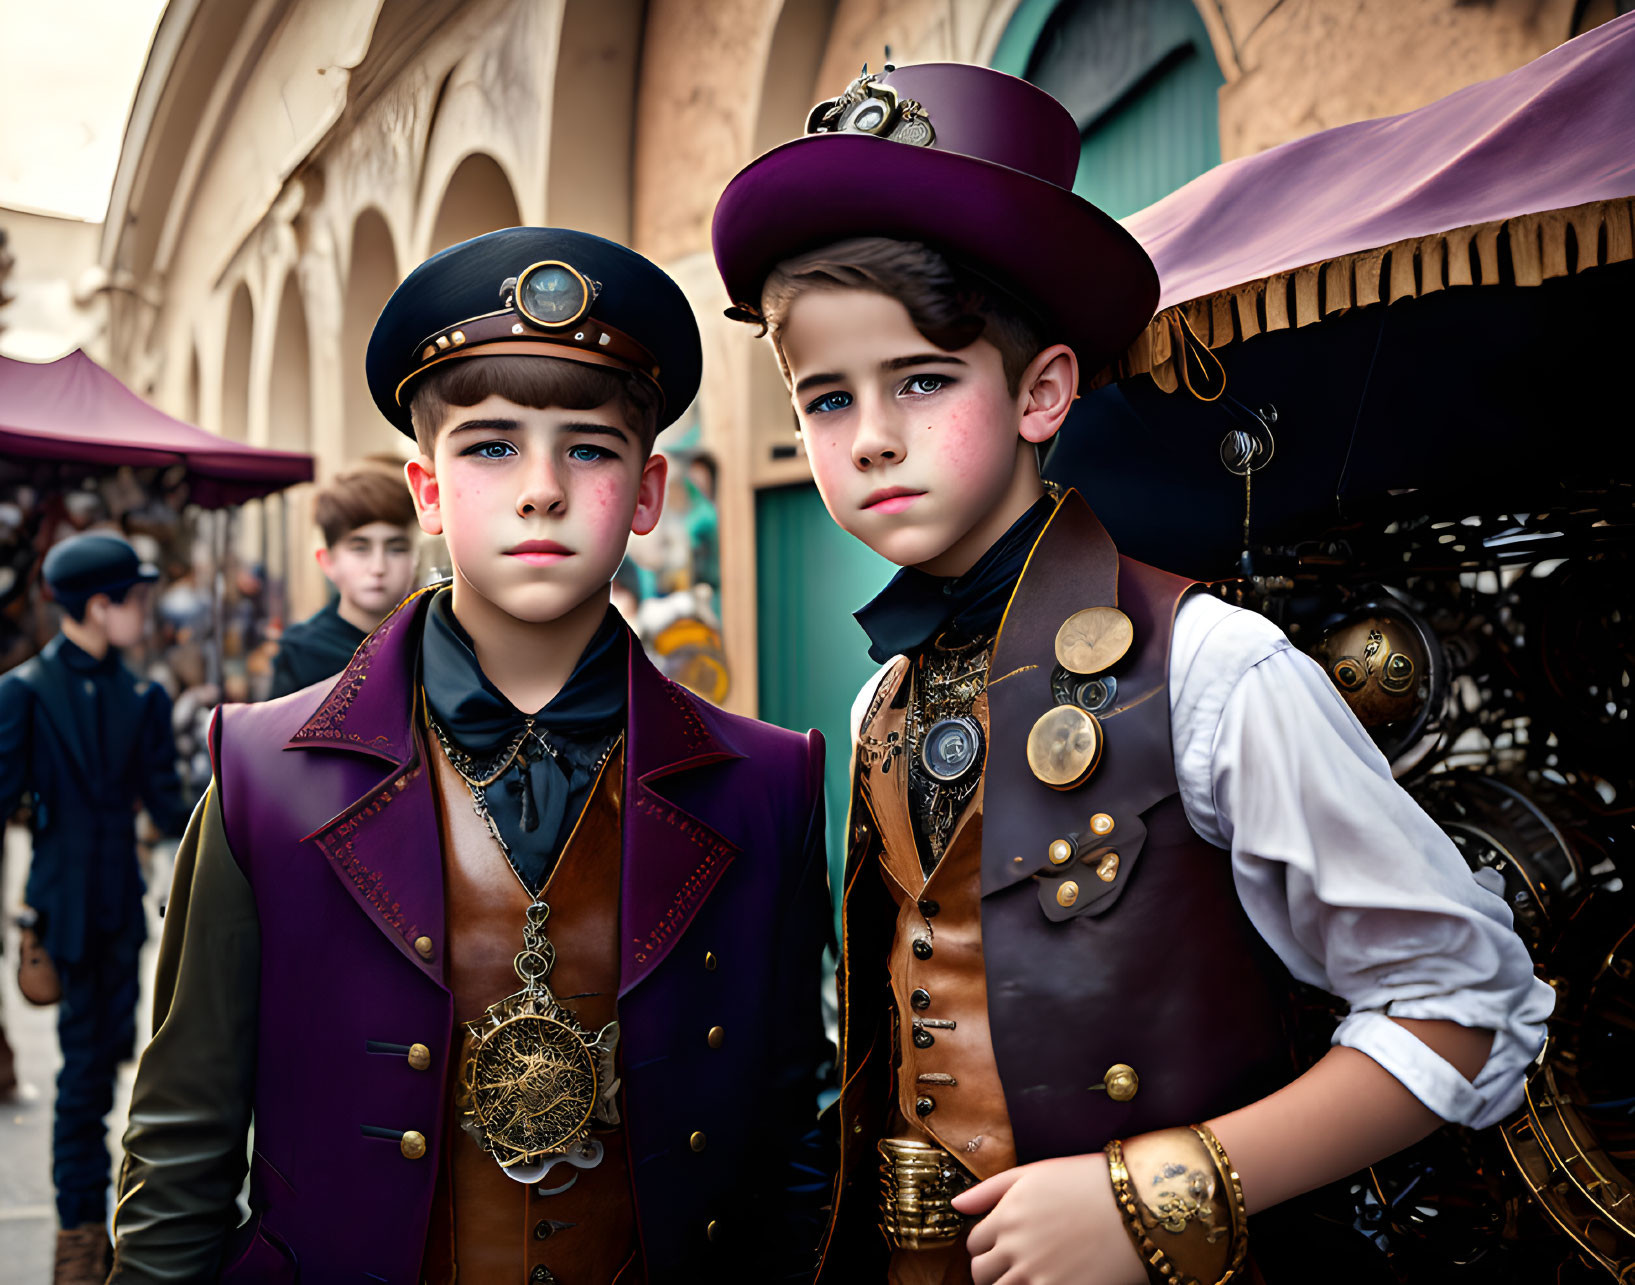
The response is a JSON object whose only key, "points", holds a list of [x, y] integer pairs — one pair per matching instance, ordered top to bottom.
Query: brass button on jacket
{"points": [[423, 947], [922, 948], [710, 961], [717, 1036], [419, 1057], [1121, 1082], [697, 1141], [412, 1144], [712, 1230]]}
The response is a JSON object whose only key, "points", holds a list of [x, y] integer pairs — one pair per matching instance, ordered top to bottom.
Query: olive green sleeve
{"points": [[190, 1109]]}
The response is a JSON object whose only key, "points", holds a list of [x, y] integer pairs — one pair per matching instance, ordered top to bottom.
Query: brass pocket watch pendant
{"points": [[532, 1080]]}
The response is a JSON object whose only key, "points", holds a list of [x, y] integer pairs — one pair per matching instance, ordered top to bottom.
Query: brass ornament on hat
{"points": [[869, 107], [553, 294], [1094, 639], [1064, 747]]}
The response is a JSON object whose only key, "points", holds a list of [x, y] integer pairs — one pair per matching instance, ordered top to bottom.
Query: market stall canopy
{"points": [[1519, 179], [1436, 306], [73, 411]]}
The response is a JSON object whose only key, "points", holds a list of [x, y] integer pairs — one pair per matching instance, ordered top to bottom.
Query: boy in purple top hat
{"points": [[1098, 820], [508, 946]]}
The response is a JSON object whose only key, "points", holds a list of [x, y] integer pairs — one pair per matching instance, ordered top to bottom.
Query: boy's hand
{"points": [[1050, 1223]]}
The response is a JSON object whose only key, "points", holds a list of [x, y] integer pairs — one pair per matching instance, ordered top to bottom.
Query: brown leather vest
{"points": [[1153, 963], [485, 1228]]}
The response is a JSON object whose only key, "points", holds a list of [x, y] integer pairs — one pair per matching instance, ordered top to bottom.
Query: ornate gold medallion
{"points": [[1064, 747], [533, 1080]]}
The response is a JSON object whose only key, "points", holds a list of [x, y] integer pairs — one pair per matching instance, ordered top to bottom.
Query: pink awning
{"points": [[1380, 210], [72, 410]]}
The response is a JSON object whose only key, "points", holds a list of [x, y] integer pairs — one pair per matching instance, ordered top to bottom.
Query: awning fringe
{"points": [[1538, 248]]}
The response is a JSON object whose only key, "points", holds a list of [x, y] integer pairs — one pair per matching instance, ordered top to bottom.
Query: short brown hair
{"points": [[950, 304], [539, 382], [360, 496]]}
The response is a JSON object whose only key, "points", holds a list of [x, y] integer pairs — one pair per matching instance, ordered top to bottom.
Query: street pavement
{"points": [[28, 1219]]}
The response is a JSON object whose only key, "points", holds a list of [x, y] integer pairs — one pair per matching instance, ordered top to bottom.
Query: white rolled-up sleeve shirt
{"points": [[1348, 880]]}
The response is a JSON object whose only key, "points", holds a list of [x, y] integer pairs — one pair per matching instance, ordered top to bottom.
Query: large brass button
{"points": [[1091, 640], [1064, 747], [1101, 823], [1061, 852], [1107, 868], [1067, 894], [423, 947], [710, 961], [717, 1036], [419, 1057], [1121, 1082], [697, 1141], [412, 1144], [712, 1230]]}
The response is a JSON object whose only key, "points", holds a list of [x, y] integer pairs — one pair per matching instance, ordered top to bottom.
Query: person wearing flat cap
{"points": [[85, 742], [1100, 821], [509, 946]]}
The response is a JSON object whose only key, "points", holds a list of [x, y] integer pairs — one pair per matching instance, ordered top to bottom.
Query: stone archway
{"points": [[478, 198], [371, 277], [235, 366], [289, 391]]}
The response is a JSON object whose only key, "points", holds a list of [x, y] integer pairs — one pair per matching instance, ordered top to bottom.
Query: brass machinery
{"points": [[1492, 659]]}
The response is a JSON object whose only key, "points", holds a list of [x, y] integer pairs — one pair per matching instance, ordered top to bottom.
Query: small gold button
{"points": [[1101, 823], [1061, 852], [1107, 869], [1067, 894], [423, 947], [710, 961], [717, 1036], [419, 1056], [1121, 1082], [696, 1142], [412, 1144], [713, 1230]]}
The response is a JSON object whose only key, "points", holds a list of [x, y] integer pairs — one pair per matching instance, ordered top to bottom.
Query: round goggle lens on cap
{"points": [[553, 295]]}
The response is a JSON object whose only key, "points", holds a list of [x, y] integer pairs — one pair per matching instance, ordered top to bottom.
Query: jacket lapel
{"points": [[1073, 565], [384, 846], [672, 858]]}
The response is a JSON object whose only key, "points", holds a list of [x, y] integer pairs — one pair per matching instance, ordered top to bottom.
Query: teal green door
{"points": [[1149, 124], [813, 657]]}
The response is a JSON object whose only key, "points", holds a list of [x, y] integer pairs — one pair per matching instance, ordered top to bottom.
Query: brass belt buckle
{"points": [[918, 1182]]}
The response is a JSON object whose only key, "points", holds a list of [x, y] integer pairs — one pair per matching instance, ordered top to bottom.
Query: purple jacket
{"points": [[330, 813]]}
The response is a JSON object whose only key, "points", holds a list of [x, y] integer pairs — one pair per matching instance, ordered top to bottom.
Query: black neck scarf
{"points": [[915, 607], [537, 801]]}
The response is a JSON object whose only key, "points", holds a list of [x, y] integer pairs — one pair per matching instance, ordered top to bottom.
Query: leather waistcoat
{"points": [[1149, 962], [484, 1226]]}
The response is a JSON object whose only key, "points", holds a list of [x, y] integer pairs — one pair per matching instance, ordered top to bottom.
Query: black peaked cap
{"points": [[636, 300]]}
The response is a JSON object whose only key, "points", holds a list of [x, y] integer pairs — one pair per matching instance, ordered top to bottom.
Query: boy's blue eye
{"points": [[924, 385], [829, 402], [498, 450], [588, 454]]}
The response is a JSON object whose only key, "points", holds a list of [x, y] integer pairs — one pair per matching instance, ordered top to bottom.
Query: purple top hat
{"points": [[972, 161]]}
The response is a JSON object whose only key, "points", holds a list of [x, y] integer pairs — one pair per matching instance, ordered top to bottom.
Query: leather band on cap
{"points": [[506, 334]]}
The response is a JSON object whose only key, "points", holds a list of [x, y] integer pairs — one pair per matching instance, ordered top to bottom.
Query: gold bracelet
{"points": [[1232, 1185], [1182, 1205]]}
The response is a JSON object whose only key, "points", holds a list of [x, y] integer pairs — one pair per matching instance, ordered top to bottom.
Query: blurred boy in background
{"points": [[367, 519]]}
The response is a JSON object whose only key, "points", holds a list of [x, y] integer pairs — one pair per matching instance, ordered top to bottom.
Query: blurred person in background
{"points": [[368, 523], [85, 741]]}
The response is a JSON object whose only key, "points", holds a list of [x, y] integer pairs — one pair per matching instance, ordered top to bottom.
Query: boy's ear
{"points": [[1049, 386], [423, 487], [649, 494], [324, 559]]}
